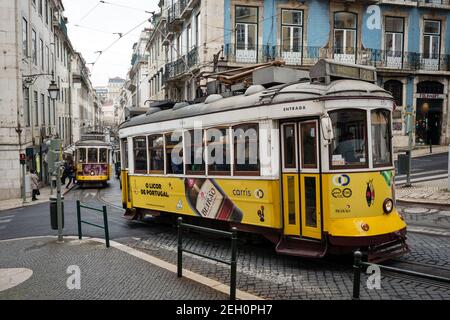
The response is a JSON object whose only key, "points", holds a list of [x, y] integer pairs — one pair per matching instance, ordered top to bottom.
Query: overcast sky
{"points": [[92, 26]]}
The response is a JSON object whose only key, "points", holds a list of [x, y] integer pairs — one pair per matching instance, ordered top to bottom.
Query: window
{"points": [[46, 12], [197, 30], [345, 33], [246, 34], [292, 36], [25, 37], [432, 39], [394, 41], [34, 47], [41, 51], [395, 87], [26, 106], [43, 108], [36, 109], [48, 109], [308, 132], [381, 138], [290, 146], [349, 147], [194, 148], [246, 149], [92, 153], [124, 153], [156, 153], [174, 153], [219, 153], [140, 154], [81, 155], [103, 155]]}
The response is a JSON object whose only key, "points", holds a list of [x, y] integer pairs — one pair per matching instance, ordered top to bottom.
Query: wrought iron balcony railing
{"points": [[307, 56], [181, 66]]}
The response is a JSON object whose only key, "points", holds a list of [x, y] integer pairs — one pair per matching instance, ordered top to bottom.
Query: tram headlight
{"points": [[92, 173], [388, 206]]}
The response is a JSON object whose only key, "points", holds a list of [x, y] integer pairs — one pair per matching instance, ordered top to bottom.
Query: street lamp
{"points": [[53, 90]]}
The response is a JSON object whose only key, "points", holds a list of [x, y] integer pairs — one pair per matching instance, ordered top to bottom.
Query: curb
{"points": [[421, 201]]}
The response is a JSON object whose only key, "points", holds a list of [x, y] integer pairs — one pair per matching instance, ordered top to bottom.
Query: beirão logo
{"points": [[341, 180]]}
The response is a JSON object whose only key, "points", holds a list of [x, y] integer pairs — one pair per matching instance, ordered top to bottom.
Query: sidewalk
{"points": [[422, 151], [430, 192], [43, 198], [39, 268]]}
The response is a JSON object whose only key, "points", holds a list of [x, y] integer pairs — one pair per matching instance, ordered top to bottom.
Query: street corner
{"points": [[86, 269]]}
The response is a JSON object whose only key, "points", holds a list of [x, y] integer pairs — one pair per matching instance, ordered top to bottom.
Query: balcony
{"points": [[410, 3], [441, 4], [186, 7], [174, 20], [308, 56], [182, 66]]}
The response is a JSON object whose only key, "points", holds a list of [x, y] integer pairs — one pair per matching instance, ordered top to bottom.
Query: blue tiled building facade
{"points": [[408, 41]]}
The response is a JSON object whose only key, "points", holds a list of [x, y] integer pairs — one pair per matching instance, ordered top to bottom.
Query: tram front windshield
{"points": [[349, 149], [92, 155]]}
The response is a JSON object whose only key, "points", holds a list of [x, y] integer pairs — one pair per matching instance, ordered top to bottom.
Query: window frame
{"points": [[256, 24], [291, 26], [356, 29], [402, 33], [431, 35], [228, 132], [366, 133], [283, 147], [150, 148], [166, 159], [391, 161], [314, 166], [140, 171], [190, 172], [245, 173]]}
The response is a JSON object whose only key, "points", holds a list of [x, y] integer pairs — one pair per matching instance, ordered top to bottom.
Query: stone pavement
{"points": [[430, 192], [41, 269]]}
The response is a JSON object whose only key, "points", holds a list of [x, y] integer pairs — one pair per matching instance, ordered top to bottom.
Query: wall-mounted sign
{"points": [[430, 96]]}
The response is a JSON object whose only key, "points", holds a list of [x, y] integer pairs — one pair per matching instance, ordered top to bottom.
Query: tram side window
{"points": [[381, 138], [309, 145], [290, 146], [194, 147], [349, 148], [246, 149], [156, 153], [174, 153], [219, 153], [140, 154], [81, 155], [92, 155], [103, 155]]}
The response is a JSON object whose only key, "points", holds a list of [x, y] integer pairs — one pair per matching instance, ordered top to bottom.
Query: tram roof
{"points": [[299, 91], [92, 143]]}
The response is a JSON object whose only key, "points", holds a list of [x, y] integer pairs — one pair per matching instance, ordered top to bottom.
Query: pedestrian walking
{"points": [[70, 173], [34, 185]]}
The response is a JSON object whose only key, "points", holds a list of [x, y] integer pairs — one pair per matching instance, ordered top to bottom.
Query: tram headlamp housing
{"points": [[92, 173], [388, 206]]}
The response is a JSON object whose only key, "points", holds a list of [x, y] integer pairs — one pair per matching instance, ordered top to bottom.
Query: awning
{"points": [[70, 149]]}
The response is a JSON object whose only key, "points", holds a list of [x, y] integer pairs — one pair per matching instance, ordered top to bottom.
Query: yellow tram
{"points": [[93, 162], [309, 165]]}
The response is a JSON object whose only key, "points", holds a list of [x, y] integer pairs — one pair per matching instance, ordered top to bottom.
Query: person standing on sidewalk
{"points": [[70, 174], [34, 185]]}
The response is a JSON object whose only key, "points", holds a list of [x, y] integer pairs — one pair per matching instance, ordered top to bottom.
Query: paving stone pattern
{"points": [[105, 274]]}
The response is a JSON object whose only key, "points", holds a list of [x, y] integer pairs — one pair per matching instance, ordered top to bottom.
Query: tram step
{"points": [[301, 247]]}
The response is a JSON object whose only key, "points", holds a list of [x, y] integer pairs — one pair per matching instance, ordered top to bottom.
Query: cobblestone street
{"points": [[271, 276]]}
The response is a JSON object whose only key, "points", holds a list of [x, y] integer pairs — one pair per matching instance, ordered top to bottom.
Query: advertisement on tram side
{"points": [[241, 201]]}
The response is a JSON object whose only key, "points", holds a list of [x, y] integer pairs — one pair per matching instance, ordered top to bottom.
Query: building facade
{"points": [[408, 41], [35, 50]]}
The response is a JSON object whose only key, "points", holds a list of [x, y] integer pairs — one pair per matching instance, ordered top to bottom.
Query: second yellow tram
{"points": [[93, 162]]}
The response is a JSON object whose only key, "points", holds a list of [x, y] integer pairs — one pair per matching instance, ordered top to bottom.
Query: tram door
{"points": [[301, 179]]}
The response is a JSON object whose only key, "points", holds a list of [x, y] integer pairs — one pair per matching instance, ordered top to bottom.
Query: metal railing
{"points": [[308, 56], [182, 65], [105, 221], [232, 263], [358, 265]]}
